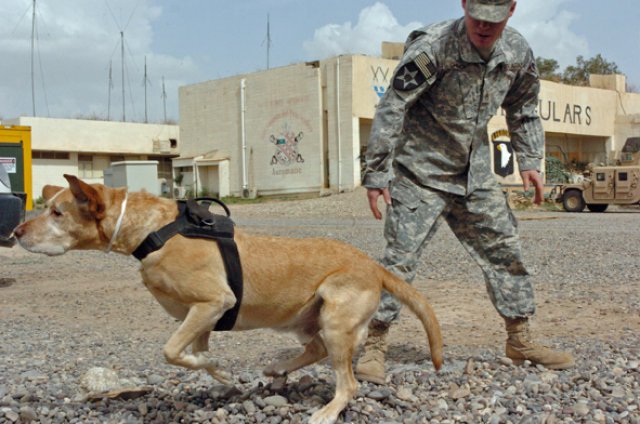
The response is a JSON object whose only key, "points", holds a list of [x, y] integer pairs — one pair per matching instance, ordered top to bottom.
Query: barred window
{"points": [[43, 154]]}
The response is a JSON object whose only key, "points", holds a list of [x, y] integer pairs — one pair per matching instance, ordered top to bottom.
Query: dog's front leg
{"points": [[195, 329], [200, 346]]}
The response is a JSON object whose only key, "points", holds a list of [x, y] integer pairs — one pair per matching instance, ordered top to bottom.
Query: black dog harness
{"points": [[195, 221]]}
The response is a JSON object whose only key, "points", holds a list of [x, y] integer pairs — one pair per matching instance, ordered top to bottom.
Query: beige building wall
{"points": [[335, 101], [269, 123], [85, 148]]}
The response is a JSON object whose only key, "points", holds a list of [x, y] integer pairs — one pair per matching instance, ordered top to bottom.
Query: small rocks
{"points": [[56, 326], [507, 362], [99, 379], [277, 401]]}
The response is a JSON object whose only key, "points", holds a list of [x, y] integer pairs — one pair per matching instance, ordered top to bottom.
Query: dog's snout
{"points": [[18, 232]]}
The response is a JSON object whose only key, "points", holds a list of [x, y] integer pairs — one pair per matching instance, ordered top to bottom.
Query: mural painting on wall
{"points": [[380, 80], [285, 131], [286, 143]]}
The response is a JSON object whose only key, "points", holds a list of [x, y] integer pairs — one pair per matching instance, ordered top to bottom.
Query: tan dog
{"points": [[323, 291]]}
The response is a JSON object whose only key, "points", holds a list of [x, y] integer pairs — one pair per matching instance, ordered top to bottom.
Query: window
{"points": [[173, 143], [50, 155], [85, 166], [600, 176], [623, 176]]}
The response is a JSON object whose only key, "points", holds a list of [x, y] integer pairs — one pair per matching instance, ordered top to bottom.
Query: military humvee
{"points": [[606, 185]]}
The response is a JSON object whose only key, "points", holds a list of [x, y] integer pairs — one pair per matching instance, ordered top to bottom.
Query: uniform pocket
{"points": [[470, 91], [404, 192]]}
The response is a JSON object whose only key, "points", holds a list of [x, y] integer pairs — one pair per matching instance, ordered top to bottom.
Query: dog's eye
{"points": [[55, 212]]}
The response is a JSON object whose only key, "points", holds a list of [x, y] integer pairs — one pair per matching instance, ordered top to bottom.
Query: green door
{"points": [[11, 157]]}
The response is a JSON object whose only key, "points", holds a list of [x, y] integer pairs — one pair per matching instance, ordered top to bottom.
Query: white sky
{"points": [[190, 41]]}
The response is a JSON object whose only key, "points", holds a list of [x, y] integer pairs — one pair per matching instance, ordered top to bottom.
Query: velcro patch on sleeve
{"points": [[413, 74]]}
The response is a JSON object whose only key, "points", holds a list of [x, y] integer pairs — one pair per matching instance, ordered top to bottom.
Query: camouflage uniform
{"points": [[429, 145]]}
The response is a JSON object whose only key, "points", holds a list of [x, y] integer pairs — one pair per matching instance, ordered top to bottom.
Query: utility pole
{"points": [[33, 36]]}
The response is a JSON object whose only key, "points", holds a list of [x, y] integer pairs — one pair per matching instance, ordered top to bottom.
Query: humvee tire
{"points": [[572, 201], [597, 207]]}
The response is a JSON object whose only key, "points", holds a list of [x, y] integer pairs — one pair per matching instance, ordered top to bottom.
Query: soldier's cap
{"points": [[489, 10]]}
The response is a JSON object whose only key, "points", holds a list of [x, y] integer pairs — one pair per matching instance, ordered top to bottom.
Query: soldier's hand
{"points": [[533, 177], [373, 194]]}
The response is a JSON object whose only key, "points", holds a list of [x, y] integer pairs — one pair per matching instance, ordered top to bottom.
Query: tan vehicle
{"points": [[606, 185]]}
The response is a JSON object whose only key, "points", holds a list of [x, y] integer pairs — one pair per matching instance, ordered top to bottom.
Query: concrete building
{"points": [[304, 127], [86, 148]]}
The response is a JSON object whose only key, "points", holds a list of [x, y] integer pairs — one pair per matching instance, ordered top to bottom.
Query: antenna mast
{"points": [[33, 36], [268, 39], [122, 56], [146, 79], [109, 97], [164, 100]]}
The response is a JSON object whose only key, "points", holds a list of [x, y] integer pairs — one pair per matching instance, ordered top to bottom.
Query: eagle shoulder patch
{"points": [[413, 74]]}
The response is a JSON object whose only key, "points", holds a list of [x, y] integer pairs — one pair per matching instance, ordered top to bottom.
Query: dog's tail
{"points": [[419, 305]]}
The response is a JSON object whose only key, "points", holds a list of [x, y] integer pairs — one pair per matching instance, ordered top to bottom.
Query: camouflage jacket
{"points": [[431, 124]]}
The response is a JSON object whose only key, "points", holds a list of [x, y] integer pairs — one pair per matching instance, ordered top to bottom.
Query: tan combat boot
{"points": [[520, 347], [370, 366]]}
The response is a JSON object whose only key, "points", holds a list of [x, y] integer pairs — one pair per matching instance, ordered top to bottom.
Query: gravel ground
{"points": [[66, 320]]}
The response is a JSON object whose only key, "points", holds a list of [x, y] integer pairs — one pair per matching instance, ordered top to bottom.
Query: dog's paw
{"points": [[273, 370], [223, 377], [323, 416]]}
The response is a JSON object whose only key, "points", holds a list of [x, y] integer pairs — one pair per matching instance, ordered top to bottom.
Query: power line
{"points": [[20, 20], [42, 79]]}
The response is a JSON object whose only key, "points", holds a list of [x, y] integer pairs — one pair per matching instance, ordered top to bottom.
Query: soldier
{"points": [[428, 157]]}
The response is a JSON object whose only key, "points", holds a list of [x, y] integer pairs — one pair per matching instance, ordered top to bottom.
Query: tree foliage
{"points": [[548, 69], [577, 74]]}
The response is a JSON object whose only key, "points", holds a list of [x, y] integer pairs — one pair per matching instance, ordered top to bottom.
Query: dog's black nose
{"points": [[18, 231]]}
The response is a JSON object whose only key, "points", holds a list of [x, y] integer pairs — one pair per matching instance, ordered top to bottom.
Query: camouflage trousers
{"points": [[482, 222]]}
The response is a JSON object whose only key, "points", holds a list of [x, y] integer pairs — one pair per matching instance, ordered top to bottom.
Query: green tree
{"points": [[548, 69], [579, 74]]}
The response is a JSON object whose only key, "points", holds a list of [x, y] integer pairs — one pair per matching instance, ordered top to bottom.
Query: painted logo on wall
{"points": [[380, 80], [286, 151]]}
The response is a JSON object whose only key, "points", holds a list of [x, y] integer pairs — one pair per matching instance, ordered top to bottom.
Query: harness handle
{"points": [[207, 201]]}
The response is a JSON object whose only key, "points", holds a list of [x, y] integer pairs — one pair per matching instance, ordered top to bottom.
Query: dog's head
{"points": [[72, 219]]}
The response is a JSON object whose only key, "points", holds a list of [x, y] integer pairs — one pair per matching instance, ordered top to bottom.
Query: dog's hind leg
{"points": [[200, 319], [343, 320], [313, 352]]}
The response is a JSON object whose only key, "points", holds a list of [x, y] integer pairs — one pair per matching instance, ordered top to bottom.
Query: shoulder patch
{"points": [[425, 65], [413, 74]]}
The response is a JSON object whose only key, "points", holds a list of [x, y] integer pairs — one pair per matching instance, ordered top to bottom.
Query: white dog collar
{"points": [[123, 208]]}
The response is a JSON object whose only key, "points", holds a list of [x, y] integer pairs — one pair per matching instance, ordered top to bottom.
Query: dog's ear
{"points": [[49, 191], [86, 196]]}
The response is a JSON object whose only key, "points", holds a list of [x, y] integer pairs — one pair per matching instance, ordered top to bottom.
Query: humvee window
{"points": [[600, 176], [623, 176]]}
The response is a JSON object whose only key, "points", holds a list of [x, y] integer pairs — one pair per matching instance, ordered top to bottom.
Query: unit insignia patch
{"points": [[413, 74]]}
